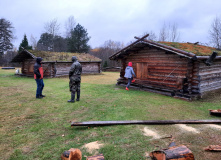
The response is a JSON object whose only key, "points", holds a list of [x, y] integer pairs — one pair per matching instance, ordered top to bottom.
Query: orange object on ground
{"points": [[175, 152], [72, 154]]}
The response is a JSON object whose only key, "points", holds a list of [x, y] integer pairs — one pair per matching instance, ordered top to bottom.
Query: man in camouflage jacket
{"points": [[75, 79]]}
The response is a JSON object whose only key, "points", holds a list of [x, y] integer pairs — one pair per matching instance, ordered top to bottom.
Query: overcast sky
{"points": [[117, 20]]}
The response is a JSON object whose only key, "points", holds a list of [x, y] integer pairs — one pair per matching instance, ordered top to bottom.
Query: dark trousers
{"points": [[129, 82], [40, 86]]}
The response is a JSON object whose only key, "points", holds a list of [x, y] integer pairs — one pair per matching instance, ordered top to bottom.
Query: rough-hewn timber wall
{"points": [[28, 67], [87, 68], [53, 69], [62, 69], [159, 69], [209, 76]]}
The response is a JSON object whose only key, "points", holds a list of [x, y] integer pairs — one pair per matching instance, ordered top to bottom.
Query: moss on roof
{"points": [[199, 50], [63, 56]]}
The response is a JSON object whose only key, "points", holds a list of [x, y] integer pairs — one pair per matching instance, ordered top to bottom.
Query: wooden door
{"points": [[142, 70]]}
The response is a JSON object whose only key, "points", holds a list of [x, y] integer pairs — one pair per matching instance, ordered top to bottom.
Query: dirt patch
{"points": [[214, 126], [187, 128], [150, 133], [93, 146]]}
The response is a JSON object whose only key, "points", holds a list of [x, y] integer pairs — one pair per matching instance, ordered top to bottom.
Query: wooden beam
{"points": [[149, 122]]}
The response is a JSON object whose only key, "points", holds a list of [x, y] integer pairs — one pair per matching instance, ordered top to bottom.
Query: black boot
{"points": [[78, 96], [72, 97]]}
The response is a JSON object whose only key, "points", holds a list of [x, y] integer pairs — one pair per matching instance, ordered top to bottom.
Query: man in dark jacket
{"points": [[38, 76], [75, 79]]}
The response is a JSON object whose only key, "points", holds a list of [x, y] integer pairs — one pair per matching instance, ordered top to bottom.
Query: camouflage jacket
{"points": [[75, 72]]}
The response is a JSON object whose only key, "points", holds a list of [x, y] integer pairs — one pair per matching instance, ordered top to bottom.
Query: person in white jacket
{"points": [[129, 73]]}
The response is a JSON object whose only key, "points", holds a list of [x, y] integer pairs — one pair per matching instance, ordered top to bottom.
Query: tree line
{"points": [[76, 39]]}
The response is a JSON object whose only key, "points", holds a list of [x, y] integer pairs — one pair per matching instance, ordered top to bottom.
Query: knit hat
{"points": [[130, 64]]}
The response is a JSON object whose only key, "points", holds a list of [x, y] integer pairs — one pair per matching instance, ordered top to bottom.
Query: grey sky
{"points": [[118, 20]]}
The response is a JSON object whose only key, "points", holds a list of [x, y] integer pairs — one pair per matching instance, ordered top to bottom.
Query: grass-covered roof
{"points": [[197, 49], [63, 56]]}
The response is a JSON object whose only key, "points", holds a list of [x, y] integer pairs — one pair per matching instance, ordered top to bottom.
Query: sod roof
{"points": [[198, 50], [54, 56]]}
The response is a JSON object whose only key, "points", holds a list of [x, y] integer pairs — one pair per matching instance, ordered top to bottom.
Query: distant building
{"points": [[56, 64], [183, 70]]}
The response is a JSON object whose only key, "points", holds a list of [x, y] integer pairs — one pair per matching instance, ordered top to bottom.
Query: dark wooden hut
{"points": [[56, 64], [183, 70]]}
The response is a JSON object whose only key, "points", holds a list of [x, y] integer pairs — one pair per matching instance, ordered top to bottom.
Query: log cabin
{"points": [[56, 64], [183, 70]]}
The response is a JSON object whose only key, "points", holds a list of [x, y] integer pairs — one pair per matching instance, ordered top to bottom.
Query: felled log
{"points": [[215, 112], [150, 122], [213, 148], [176, 152], [72, 154], [98, 157]]}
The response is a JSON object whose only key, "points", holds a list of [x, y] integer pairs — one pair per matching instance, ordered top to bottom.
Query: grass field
{"points": [[38, 129]]}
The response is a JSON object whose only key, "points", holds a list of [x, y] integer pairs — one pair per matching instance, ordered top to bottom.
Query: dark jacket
{"points": [[38, 70], [75, 71]]}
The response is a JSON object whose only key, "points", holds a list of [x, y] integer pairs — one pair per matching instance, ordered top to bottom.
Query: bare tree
{"points": [[70, 25], [52, 28], [215, 32], [169, 33], [174, 35], [152, 36], [163, 36], [33, 42], [105, 51]]}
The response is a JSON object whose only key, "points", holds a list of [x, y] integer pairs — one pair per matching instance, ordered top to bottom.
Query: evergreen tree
{"points": [[6, 35], [78, 41], [45, 42], [48, 42], [24, 44]]}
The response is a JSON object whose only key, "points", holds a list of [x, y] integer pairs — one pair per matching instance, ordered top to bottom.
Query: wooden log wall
{"points": [[28, 67], [155, 67], [87, 68], [90, 68], [53, 69], [62, 69], [209, 77]]}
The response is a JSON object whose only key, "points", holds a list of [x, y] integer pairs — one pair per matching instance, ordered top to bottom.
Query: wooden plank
{"points": [[148, 122]]}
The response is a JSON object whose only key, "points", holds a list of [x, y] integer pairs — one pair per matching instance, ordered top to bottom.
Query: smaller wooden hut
{"points": [[56, 64], [186, 70]]}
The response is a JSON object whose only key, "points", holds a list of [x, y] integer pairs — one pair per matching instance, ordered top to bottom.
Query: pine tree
{"points": [[6, 35], [78, 41], [24, 44]]}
